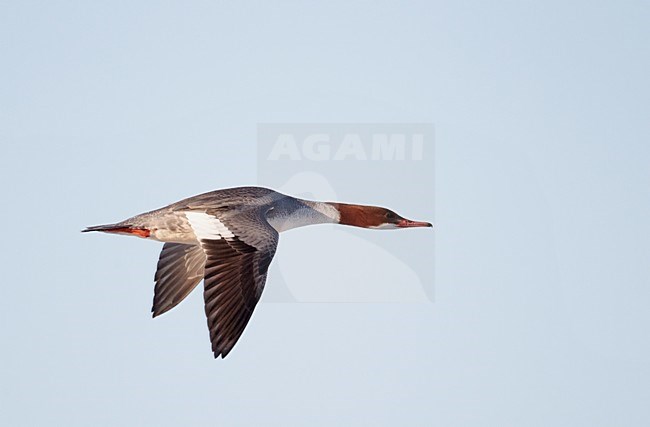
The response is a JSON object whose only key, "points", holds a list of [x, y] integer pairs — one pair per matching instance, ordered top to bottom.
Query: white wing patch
{"points": [[208, 227]]}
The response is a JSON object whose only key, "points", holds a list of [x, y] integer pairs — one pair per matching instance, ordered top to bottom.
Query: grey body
{"points": [[265, 206]]}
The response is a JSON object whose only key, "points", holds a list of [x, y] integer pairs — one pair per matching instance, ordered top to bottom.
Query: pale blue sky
{"points": [[542, 205]]}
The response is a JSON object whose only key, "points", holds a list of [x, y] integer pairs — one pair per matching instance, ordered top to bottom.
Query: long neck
{"points": [[292, 213]]}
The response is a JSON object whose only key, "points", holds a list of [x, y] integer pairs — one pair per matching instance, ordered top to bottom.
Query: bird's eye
{"points": [[390, 215]]}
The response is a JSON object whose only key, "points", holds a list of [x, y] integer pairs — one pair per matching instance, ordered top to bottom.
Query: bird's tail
{"points": [[120, 228]]}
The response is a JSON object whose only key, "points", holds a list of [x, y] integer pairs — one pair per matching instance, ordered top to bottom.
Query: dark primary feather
{"points": [[180, 269], [235, 274]]}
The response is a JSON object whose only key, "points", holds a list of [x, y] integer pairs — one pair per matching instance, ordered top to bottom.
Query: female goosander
{"points": [[228, 238]]}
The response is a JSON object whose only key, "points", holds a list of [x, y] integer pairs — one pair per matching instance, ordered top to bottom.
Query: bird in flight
{"points": [[227, 238]]}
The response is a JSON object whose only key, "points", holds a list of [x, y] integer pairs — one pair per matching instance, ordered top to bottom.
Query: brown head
{"points": [[374, 217]]}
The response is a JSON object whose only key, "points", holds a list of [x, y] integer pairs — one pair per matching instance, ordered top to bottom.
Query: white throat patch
{"points": [[385, 227]]}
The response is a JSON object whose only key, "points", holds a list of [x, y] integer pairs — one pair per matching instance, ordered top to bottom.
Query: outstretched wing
{"points": [[239, 250], [180, 269]]}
